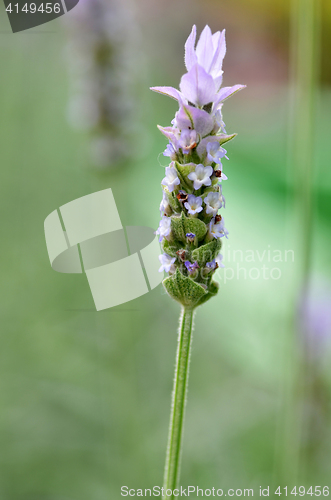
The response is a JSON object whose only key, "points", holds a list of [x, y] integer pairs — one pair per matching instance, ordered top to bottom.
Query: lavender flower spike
{"points": [[193, 195], [191, 230]]}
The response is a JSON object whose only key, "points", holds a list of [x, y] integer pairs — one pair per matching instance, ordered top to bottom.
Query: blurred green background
{"points": [[85, 396]]}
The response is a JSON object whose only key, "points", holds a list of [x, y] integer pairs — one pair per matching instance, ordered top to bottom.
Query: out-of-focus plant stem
{"points": [[304, 67], [304, 74], [172, 466]]}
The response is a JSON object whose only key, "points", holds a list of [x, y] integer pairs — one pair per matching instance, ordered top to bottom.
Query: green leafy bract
{"points": [[182, 225], [171, 247], [208, 252], [184, 289], [212, 291]]}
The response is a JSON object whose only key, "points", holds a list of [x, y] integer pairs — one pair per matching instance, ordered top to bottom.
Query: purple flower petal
{"points": [[205, 48], [190, 55], [217, 62], [218, 80], [197, 86], [171, 92], [226, 92], [183, 119], [200, 120], [170, 134], [188, 140], [202, 146], [170, 151], [211, 265], [191, 267]]}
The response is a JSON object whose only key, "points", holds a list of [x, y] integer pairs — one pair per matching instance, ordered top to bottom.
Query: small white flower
{"points": [[219, 119], [188, 140], [170, 151], [215, 152], [220, 174], [201, 176], [171, 179], [221, 196], [213, 203], [193, 204], [164, 205], [164, 228], [217, 230], [219, 260], [167, 263]]}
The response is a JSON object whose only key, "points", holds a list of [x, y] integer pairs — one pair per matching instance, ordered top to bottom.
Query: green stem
{"points": [[172, 465]]}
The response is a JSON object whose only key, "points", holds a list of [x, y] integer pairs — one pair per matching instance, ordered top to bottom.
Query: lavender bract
{"points": [[192, 190]]}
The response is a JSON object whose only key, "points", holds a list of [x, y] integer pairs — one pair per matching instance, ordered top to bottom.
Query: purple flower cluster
{"points": [[192, 189]]}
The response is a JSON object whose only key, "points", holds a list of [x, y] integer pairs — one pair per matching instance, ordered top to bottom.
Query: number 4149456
{"points": [[31, 8], [301, 491]]}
